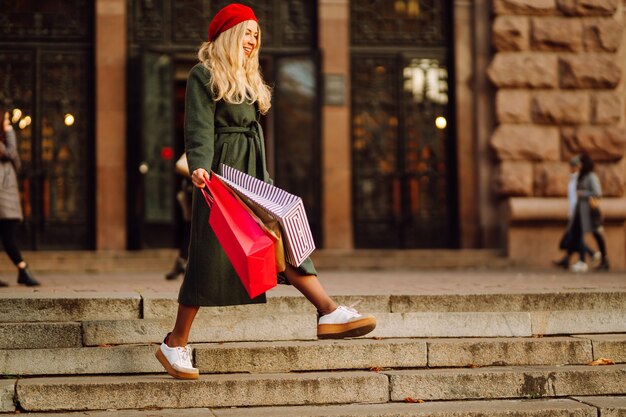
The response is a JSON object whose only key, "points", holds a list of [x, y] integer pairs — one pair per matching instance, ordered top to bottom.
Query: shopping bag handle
{"points": [[207, 197]]}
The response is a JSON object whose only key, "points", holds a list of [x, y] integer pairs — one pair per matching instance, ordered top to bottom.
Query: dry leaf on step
{"points": [[601, 361], [413, 400]]}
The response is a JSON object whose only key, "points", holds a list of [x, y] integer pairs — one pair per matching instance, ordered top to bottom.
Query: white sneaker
{"points": [[596, 259], [580, 266], [344, 322], [177, 361]]}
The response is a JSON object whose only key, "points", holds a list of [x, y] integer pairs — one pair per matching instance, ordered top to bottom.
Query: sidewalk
{"points": [[347, 282]]}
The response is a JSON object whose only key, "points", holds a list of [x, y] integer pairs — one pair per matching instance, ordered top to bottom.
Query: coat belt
{"points": [[254, 133]]}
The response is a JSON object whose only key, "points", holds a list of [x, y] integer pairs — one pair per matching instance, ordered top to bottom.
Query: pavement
{"points": [[366, 282]]}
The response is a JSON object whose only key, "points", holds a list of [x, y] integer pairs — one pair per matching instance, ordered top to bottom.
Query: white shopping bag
{"points": [[287, 208]]}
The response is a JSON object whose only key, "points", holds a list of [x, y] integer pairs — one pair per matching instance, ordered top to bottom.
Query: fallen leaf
{"points": [[601, 361], [473, 365], [376, 369], [413, 400]]}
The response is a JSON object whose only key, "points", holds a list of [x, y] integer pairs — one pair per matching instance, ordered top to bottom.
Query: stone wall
{"points": [[559, 71]]}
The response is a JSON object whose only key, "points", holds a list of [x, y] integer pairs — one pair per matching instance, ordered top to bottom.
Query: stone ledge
{"points": [[556, 209], [507, 382], [159, 391], [608, 406], [502, 408]]}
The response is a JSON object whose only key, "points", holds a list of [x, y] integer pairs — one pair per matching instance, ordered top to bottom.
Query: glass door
{"points": [[49, 93], [157, 151]]}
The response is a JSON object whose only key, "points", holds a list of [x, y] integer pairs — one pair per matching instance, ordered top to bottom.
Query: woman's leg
{"points": [[8, 229], [9, 233], [601, 243], [581, 248], [312, 289], [184, 320], [174, 354]]}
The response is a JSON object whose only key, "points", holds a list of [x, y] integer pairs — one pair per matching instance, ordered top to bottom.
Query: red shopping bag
{"points": [[249, 249]]}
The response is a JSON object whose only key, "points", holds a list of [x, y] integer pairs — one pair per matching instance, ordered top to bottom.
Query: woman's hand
{"points": [[6, 124], [199, 177]]}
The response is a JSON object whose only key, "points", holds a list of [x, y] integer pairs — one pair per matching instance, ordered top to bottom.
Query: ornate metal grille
{"points": [[46, 20], [185, 22], [398, 22], [402, 178]]}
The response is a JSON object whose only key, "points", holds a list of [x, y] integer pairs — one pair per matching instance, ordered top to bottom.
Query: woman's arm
{"points": [[199, 124], [8, 149], [591, 186], [596, 187]]}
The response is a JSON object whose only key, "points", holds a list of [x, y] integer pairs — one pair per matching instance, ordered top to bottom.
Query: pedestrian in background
{"points": [[225, 94], [184, 201], [10, 206], [587, 218], [570, 240]]}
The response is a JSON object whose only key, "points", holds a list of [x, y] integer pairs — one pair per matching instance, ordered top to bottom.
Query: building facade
{"points": [[402, 123]]}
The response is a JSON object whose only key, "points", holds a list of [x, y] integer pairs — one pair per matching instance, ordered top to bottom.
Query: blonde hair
{"points": [[235, 78]]}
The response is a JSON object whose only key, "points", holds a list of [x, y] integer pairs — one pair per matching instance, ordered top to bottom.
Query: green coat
{"points": [[217, 132]]}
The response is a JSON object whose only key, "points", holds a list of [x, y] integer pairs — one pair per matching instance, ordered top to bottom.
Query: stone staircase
{"points": [[444, 355]]}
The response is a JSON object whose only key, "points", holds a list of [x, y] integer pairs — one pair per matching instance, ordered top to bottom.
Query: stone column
{"points": [[334, 39], [110, 47], [478, 223]]}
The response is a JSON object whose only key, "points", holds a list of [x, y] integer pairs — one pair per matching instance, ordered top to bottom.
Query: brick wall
{"points": [[559, 70]]}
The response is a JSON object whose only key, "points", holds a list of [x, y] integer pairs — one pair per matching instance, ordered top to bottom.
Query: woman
{"points": [[225, 94], [10, 207], [587, 217], [569, 241]]}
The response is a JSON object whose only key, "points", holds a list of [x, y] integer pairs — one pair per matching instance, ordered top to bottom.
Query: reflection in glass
{"points": [[297, 165]]}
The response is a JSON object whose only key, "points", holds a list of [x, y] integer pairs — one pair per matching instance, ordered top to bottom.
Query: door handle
{"points": [[143, 168]]}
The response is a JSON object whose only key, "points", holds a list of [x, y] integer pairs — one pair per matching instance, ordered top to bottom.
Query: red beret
{"points": [[229, 16]]}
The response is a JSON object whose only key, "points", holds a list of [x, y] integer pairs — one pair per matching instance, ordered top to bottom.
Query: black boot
{"points": [[563, 263], [604, 265], [177, 269], [25, 277], [3, 284]]}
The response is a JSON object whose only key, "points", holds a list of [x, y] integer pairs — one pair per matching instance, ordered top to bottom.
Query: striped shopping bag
{"points": [[287, 208]]}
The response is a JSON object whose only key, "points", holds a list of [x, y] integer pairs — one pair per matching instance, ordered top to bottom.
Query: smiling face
{"points": [[251, 38]]}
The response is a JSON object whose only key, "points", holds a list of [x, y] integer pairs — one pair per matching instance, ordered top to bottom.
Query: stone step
{"points": [[375, 259], [160, 260], [69, 306], [160, 306], [31, 307], [231, 328], [234, 328], [243, 328], [40, 335], [611, 346], [322, 355], [507, 382], [325, 388], [162, 391], [497, 408]]}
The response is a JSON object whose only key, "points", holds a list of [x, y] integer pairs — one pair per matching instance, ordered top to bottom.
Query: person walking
{"points": [[225, 95], [184, 200], [10, 207], [587, 218], [569, 241]]}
